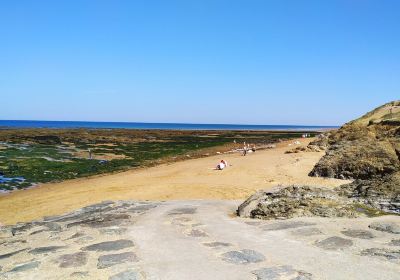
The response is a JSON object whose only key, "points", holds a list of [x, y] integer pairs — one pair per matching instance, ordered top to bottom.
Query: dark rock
{"points": [[47, 139], [367, 149], [381, 194], [296, 201], [104, 205], [141, 208], [183, 211], [84, 213], [105, 220], [253, 223], [286, 225], [53, 226], [389, 227], [20, 228], [38, 231], [113, 231], [307, 232], [197, 233], [356, 233], [76, 235], [84, 239], [12, 241], [395, 242], [334, 243], [217, 244], [109, 245], [45, 250], [380, 252], [5, 256], [244, 256], [73, 260], [111, 260], [25, 266], [281, 272], [80, 274], [125, 275]]}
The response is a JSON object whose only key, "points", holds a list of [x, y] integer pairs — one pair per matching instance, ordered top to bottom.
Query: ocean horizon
{"points": [[144, 125]]}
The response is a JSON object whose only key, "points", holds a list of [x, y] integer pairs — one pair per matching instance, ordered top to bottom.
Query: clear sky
{"points": [[198, 61]]}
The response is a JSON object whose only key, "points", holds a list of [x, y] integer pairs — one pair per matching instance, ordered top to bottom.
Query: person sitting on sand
{"points": [[221, 165]]}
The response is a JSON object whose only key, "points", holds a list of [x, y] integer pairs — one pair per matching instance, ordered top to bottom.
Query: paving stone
{"points": [[98, 206], [142, 208], [183, 211], [83, 213], [106, 220], [253, 223], [286, 225], [53, 226], [389, 227], [20, 228], [113, 230], [38, 231], [307, 231], [196, 233], [357, 233], [76, 235], [84, 240], [12, 241], [395, 242], [334, 243], [217, 244], [109, 245], [44, 250], [380, 252], [5, 256], [244, 256], [113, 259], [73, 260], [26, 266], [281, 272], [80, 274], [125, 275]]}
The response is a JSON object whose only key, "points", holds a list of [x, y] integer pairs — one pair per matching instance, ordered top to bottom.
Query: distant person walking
{"points": [[90, 154]]}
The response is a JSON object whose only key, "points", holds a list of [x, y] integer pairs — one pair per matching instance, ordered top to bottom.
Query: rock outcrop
{"points": [[366, 150], [302, 201]]}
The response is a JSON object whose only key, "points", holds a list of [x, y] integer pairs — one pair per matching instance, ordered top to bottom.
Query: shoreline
{"points": [[185, 180]]}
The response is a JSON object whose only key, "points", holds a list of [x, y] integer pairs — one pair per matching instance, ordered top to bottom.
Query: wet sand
{"points": [[190, 179]]}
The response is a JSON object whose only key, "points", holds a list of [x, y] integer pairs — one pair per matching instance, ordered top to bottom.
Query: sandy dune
{"points": [[191, 179]]}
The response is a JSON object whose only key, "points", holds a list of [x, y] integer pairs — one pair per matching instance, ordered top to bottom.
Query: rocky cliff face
{"points": [[366, 150]]}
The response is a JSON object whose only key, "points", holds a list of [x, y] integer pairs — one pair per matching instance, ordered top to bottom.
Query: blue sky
{"points": [[209, 61]]}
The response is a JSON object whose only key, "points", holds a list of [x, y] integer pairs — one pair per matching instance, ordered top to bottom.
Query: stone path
{"points": [[197, 240]]}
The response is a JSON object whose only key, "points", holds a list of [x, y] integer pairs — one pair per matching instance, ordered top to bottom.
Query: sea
{"points": [[162, 126]]}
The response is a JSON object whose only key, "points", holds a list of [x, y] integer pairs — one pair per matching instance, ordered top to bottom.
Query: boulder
{"points": [[297, 201]]}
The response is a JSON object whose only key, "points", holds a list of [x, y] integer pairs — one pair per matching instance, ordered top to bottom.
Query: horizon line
{"points": [[180, 123]]}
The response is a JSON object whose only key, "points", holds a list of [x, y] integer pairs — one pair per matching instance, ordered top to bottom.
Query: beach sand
{"points": [[186, 180]]}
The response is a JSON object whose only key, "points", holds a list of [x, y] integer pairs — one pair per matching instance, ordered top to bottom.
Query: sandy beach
{"points": [[186, 180]]}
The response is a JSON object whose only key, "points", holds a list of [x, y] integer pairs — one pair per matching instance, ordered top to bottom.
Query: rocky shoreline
{"points": [[366, 150], [130, 240]]}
